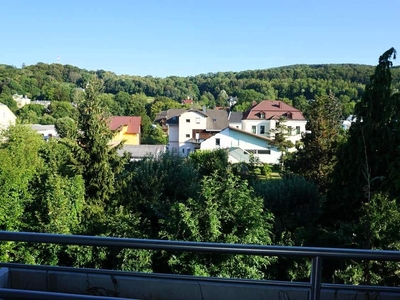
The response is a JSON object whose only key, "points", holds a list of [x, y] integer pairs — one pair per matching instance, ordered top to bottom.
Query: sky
{"points": [[188, 37]]}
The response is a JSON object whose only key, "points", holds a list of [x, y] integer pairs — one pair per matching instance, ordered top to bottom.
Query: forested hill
{"points": [[295, 84]]}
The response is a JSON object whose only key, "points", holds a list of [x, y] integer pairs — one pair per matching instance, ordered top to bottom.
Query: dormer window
{"points": [[262, 115], [289, 115]]}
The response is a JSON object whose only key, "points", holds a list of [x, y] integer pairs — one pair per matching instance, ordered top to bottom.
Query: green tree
{"points": [[66, 127], [93, 157], [316, 157], [364, 161], [227, 211]]}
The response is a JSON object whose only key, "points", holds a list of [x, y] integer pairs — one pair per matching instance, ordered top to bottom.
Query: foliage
{"points": [[66, 128], [93, 157], [316, 158], [209, 161], [364, 161], [226, 212]]}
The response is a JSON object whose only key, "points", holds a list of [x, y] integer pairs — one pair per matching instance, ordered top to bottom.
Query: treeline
{"points": [[296, 84]]}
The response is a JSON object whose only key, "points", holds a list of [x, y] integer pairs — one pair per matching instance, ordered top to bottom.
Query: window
{"points": [[262, 115], [187, 120], [197, 120], [254, 129], [262, 129], [297, 129], [290, 130], [187, 135], [217, 142], [183, 150], [267, 151]]}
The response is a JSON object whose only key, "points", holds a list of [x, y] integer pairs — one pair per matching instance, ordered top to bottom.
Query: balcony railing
{"points": [[317, 255]]}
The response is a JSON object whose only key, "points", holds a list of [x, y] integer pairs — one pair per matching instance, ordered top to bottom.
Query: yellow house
{"points": [[126, 129]]}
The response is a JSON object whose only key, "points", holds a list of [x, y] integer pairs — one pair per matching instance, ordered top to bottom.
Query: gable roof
{"points": [[273, 109], [235, 116], [216, 119], [133, 123], [141, 151]]}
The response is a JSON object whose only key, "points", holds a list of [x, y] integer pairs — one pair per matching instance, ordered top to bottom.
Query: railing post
{"points": [[315, 278]]}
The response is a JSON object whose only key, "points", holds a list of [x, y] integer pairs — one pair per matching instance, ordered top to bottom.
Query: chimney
{"points": [[280, 104], [204, 109]]}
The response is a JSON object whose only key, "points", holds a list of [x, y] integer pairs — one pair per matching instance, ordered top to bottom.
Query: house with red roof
{"points": [[263, 118], [126, 129]]}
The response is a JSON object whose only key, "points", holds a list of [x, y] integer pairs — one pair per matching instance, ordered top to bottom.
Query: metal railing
{"points": [[315, 254]]}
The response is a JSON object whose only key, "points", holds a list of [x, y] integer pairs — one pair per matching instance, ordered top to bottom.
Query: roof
{"points": [[187, 101], [273, 109], [235, 116], [217, 120], [133, 123], [271, 141], [141, 151]]}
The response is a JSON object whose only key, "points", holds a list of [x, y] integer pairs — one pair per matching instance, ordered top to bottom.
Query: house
{"points": [[21, 100], [187, 102], [7, 117], [263, 118], [235, 119], [188, 127], [126, 129], [46, 131], [241, 145], [138, 152]]}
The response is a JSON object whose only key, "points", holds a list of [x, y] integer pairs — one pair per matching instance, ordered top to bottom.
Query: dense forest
{"points": [[340, 189]]}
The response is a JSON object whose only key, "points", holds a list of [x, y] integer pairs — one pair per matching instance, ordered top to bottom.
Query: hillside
{"points": [[296, 84]]}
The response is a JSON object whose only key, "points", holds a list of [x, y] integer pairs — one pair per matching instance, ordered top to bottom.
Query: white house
{"points": [[21, 100], [7, 117], [264, 117], [187, 128], [46, 130], [241, 144]]}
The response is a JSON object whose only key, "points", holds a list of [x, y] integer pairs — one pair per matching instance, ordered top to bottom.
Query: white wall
{"points": [[7, 117], [196, 121], [231, 138]]}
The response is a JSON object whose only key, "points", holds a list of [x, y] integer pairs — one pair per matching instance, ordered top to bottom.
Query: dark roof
{"points": [[273, 109], [236, 116], [217, 119], [133, 123], [141, 151]]}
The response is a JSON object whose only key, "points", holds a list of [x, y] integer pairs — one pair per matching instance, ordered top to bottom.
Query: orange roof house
{"points": [[126, 129]]}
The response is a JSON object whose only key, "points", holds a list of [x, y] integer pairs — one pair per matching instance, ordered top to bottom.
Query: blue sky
{"points": [[178, 37]]}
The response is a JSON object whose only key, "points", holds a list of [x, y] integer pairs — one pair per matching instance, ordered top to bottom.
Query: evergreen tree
{"points": [[96, 160], [364, 161]]}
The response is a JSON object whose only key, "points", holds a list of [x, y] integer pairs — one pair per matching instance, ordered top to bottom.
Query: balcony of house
{"points": [[21, 281]]}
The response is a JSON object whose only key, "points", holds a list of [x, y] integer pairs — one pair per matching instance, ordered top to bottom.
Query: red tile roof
{"points": [[187, 101], [273, 110], [133, 123]]}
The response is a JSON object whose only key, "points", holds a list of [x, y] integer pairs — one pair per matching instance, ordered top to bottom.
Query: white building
{"points": [[21, 100], [7, 117], [263, 118], [187, 128], [241, 144]]}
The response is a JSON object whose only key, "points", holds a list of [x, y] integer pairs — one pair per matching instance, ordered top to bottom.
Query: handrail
{"points": [[249, 249], [314, 253]]}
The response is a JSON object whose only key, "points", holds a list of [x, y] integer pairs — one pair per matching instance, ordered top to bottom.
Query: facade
{"points": [[21, 100], [7, 117], [264, 117], [188, 128], [126, 129], [47, 131], [241, 144]]}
